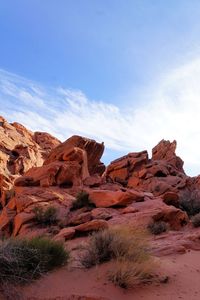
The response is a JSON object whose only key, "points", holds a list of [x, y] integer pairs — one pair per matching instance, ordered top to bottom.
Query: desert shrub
{"points": [[82, 200], [190, 202], [45, 216], [196, 220], [157, 227], [115, 243], [127, 248], [52, 253], [22, 260], [126, 274]]}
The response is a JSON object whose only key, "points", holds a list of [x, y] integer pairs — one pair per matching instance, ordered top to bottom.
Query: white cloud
{"points": [[171, 111]]}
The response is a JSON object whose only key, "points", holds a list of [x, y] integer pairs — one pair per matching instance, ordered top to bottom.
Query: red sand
{"points": [[184, 282]]}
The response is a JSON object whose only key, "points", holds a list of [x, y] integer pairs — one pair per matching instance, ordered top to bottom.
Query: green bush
{"points": [[82, 200], [190, 202], [46, 216], [196, 220], [157, 227], [22, 260]]}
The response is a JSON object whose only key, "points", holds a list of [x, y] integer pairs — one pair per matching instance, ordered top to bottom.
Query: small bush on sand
{"points": [[82, 200], [190, 202], [45, 216], [196, 220], [157, 227], [115, 243], [127, 248], [22, 260], [126, 274]]}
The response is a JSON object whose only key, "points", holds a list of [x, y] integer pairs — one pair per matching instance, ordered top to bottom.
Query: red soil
{"points": [[183, 271]]}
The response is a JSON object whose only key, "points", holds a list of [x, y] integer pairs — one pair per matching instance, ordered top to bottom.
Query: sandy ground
{"points": [[184, 282]]}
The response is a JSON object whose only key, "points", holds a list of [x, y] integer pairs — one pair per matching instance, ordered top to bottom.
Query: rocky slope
{"points": [[38, 171]]}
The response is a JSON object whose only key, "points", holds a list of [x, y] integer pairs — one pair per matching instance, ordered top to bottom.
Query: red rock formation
{"points": [[46, 141], [20, 149], [93, 149], [166, 151], [120, 170], [162, 173], [127, 193], [104, 198]]}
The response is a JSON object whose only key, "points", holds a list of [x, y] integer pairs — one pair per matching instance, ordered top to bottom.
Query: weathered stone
{"points": [[93, 149], [166, 151], [105, 198], [171, 198], [103, 213], [174, 216], [80, 218], [21, 219], [93, 225], [65, 234]]}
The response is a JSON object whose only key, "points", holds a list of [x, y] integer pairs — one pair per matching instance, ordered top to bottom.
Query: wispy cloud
{"points": [[170, 111]]}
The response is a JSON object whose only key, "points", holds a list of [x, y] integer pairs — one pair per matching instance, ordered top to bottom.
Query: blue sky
{"points": [[123, 72]]}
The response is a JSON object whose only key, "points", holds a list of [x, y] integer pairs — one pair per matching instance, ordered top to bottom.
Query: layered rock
{"points": [[46, 141], [20, 149], [93, 150], [166, 151], [68, 165], [162, 173], [134, 190], [105, 198]]}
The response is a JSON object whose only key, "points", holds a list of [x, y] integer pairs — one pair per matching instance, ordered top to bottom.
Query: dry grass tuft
{"points": [[82, 200], [115, 243], [128, 248], [128, 274]]}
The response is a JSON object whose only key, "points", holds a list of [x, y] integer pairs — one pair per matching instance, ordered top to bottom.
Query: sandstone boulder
{"points": [[93, 150], [19, 151], [166, 151], [121, 169], [63, 174], [105, 198], [171, 198], [103, 213], [175, 217], [81, 218], [93, 225], [65, 234]]}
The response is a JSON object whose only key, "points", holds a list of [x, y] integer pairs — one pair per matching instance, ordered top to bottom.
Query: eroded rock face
{"points": [[46, 141], [20, 149], [93, 150], [166, 151], [120, 170], [63, 174], [160, 174], [134, 190], [105, 198], [19, 211]]}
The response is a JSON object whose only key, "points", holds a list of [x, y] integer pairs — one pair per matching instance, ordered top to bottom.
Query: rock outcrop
{"points": [[20, 149], [93, 150], [68, 165], [38, 171], [163, 172]]}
